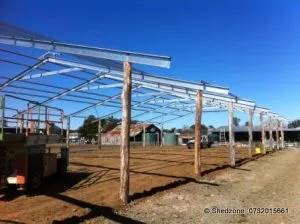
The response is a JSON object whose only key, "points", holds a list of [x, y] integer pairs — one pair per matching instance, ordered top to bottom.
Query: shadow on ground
{"points": [[54, 188]]}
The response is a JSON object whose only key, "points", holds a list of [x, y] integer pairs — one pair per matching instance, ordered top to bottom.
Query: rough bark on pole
{"points": [[2, 115], [27, 118], [22, 123], [68, 132], [250, 132], [125, 133], [270, 133], [99, 134], [263, 134], [282, 134], [144, 135], [162, 135], [231, 135], [277, 135], [197, 153]]}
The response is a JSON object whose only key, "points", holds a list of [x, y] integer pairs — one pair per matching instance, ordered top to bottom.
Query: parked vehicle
{"points": [[206, 142], [25, 156], [25, 164]]}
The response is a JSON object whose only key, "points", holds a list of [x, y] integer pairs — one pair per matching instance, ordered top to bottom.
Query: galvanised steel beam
{"points": [[139, 58], [57, 72], [23, 73], [75, 77], [166, 83], [52, 86], [95, 87], [73, 89], [146, 94], [190, 94], [70, 95], [69, 100], [161, 101], [99, 103], [137, 105], [158, 108], [205, 110], [258, 110], [273, 115], [181, 116], [281, 118]]}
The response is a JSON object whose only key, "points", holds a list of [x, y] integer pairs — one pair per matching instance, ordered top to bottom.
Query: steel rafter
{"points": [[146, 59]]}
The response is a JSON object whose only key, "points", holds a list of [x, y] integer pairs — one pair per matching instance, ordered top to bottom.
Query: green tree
{"points": [[236, 121], [110, 123], [247, 123], [294, 124], [89, 127], [54, 129]]}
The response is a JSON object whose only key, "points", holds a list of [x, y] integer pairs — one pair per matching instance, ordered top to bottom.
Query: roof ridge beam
{"points": [[115, 55], [147, 77]]}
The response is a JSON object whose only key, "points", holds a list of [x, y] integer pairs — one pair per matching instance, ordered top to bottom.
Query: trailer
{"points": [[26, 158]]}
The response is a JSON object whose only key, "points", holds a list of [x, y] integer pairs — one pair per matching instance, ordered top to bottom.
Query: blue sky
{"points": [[252, 47]]}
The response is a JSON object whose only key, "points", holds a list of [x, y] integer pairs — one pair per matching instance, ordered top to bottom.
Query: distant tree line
{"points": [[294, 124], [89, 128], [186, 129]]}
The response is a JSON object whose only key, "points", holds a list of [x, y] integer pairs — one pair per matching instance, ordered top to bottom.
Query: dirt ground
{"points": [[272, 181], [90, 192]]}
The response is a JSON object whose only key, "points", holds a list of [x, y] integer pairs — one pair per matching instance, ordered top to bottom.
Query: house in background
{"points": [[241, 133], [153, 135], [74, 137], [183, 138]]}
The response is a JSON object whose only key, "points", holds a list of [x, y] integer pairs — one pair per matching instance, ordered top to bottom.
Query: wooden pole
{"points": [[2, 116], [27, 117], [39, 118], [47, 121], [22, 123], [62, 123], [68, 132], [250, 132], [270, 133], [99, 134], [263, 134], [282, 134], [125, 135], [144, 135], [162, 135], [231, 135], [277, 135], [197, 153]]}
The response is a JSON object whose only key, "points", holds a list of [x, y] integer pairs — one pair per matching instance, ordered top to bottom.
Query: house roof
{"points": [[256, 128], [135, 129]]}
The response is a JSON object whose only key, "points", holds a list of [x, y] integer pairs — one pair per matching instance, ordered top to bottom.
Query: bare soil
{"points": [[272, 181], [90, 192]]}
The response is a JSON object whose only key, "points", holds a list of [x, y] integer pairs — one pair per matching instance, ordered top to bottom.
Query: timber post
{"points": [[2, 115], [27, 119], [22, 123], [68, 132], [250, 132], [125, 133], [270, 133], [99, 134], [263, 134], [282, 134], [144, 135], [162, 135], [231, 135], [277, 135], [197, 153]]}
